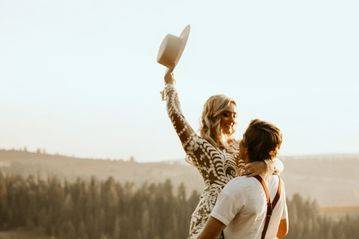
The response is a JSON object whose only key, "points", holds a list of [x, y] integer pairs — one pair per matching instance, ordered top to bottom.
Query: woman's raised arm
{"points": [[184, 131]]}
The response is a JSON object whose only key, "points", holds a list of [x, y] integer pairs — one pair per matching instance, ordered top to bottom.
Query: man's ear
{"points": [[273, 153]]}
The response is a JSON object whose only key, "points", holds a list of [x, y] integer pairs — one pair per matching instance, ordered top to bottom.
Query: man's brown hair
{"points": [[260, 139]]}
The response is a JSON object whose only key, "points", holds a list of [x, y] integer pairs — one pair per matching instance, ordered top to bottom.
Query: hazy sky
{"points": [[80, 77]]}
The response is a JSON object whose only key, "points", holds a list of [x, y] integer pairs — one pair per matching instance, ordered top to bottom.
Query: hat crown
{"points": [[171, 48]]}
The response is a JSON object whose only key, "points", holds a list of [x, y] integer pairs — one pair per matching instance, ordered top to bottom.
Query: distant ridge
{"points": [[332, 180]]}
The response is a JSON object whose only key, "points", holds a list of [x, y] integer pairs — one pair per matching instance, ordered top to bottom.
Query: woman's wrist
{"points": [[169, 79], [170, 83]]}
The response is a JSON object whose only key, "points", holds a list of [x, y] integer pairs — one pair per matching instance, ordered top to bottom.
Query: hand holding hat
{"points": [[169, 76]]}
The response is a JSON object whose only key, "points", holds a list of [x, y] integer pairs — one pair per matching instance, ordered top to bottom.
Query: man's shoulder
{"points": [[242, 180], [245, 180], [245, 183], [239, 184]]}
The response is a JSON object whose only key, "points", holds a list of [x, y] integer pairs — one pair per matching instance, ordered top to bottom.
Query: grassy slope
{"points": [[331, 179], [21, 234]]}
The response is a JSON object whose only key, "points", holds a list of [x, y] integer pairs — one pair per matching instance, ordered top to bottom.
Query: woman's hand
{"points": [[169, 76], [256, 168]]}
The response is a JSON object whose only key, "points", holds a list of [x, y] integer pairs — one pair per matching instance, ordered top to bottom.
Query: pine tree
{"points": [[116, 231]]}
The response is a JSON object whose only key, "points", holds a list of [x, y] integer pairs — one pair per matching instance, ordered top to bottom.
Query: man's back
{"points": [[242, 207]]}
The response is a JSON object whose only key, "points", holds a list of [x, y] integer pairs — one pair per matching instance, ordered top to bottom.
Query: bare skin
{"points": [[169, 76], [228, 119], [283, 228], [212, 230]]}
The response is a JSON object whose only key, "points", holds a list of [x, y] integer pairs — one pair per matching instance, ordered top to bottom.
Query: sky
{"points": [[81, 78]]}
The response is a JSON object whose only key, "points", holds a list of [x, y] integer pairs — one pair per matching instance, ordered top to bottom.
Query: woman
{"points": [[213, 152]]}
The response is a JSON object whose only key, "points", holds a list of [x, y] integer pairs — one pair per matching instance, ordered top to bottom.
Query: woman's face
{"points": [[228, 119]]}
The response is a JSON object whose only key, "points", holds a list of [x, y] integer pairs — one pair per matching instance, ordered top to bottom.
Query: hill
{"points": [[330, 179]]}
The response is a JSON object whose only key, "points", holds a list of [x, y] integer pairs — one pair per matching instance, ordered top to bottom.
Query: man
{"points": [[252, 207]]}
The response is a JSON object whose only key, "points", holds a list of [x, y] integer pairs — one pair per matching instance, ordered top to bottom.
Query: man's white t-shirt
{"points": [[242, 207]]}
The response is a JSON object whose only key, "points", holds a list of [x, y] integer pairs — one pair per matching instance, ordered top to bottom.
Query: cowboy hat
{"points": [[172, 48]]}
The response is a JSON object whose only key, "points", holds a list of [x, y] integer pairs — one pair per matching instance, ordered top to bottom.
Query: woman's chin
{"points": [[228, 131]]}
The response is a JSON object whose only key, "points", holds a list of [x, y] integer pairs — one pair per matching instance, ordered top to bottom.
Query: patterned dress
{"points": [[217, 167]]}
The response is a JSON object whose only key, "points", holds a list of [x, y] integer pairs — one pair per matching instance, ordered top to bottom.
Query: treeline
{"points": [[95, 209], [111, 210], [306, 222]]}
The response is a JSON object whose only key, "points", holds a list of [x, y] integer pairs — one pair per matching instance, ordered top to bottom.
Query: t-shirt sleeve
{"points": [[228, 205], [285, 210]]}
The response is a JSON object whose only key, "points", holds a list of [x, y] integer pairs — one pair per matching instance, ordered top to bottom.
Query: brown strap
{"points": [[270, 205]]}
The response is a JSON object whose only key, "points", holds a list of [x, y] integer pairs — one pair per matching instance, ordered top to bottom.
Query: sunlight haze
{"points": [[81, 78]]}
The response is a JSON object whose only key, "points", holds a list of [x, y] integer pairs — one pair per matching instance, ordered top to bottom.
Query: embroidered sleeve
{"points": [[184, 131], [199, 152]]}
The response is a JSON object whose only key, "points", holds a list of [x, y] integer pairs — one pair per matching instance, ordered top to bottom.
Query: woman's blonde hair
{"points": [[210, 128]]}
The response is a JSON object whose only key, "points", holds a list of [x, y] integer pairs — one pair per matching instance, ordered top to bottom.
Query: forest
{"points": [[109, 209]]}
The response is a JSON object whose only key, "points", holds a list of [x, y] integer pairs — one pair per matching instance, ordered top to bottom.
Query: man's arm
{"points": [[228, 205], [282, 229], [212, 230]]}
